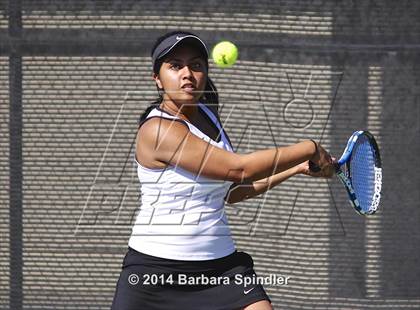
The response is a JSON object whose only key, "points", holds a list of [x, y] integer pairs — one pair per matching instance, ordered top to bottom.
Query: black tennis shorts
{"points": [[153, 283]]}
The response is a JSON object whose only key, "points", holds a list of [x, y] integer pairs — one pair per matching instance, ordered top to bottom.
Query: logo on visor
{"points": [[179, 38]]}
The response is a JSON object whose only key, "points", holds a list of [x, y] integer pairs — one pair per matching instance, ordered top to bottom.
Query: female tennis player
{"points": [[181, 254]]}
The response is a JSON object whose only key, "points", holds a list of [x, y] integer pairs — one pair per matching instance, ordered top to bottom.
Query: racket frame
{"points": [[346, 180]]}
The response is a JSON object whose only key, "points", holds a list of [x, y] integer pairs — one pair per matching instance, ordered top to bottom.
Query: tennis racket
{"points": [[360, 171]]}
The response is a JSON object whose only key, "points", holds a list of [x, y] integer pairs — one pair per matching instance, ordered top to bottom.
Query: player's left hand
{"points": [[327, 172]]}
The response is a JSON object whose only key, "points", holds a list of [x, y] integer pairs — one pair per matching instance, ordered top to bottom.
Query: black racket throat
{"points": [[315, 168]]}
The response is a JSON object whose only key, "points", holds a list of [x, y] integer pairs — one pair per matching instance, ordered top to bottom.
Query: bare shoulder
{"points": [[160, 131], [157, 134]]}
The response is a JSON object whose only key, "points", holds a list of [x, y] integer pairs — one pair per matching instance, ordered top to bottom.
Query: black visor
{"points": [[169, 44]]}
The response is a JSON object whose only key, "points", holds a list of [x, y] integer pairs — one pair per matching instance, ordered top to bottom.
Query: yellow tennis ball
{"points": [[225, 54]]}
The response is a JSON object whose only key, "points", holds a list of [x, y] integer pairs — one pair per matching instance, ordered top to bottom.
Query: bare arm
{"points": [[172, 143], [242, 191]]}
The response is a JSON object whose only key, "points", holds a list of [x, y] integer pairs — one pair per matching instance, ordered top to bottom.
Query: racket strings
{"points": [[365, 177]]}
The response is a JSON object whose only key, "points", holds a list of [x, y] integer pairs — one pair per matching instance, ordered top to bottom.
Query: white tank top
{"points": [[182, 215]]}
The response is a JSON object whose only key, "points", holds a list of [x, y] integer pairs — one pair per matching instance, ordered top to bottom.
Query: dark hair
{"points": [[210, 95]]}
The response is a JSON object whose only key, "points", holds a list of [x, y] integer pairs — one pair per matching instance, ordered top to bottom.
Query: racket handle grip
{"points": [[314, 167]]}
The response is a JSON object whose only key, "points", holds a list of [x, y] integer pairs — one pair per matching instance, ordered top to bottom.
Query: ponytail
{"points": [[211, 96], [153, 105]]}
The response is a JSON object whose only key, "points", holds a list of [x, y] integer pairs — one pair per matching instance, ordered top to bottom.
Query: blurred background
{"points": [[76, 75]]}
